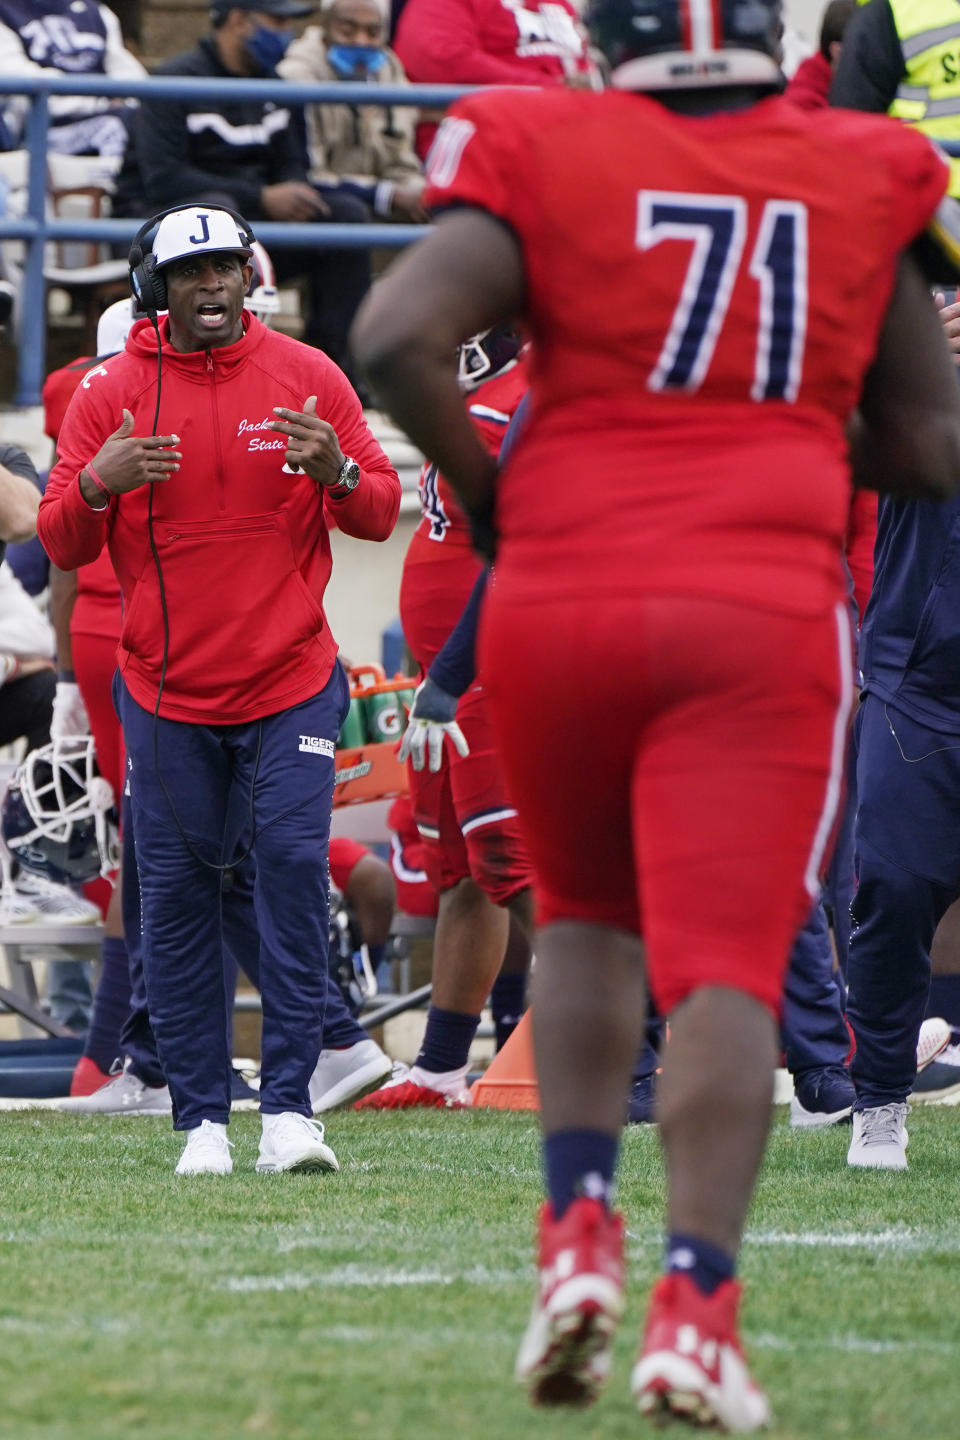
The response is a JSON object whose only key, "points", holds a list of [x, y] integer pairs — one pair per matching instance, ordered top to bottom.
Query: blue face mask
{"points": [[267, 47], [349, 60]]}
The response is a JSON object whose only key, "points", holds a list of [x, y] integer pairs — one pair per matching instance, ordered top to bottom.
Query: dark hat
{"points": [[282, 9]]}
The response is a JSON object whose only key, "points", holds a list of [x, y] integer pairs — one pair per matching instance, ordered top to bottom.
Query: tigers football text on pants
{"points": [[208, 771], [908, 873]]}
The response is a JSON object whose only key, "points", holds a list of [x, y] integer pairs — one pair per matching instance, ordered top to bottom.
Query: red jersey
{"points": [[704, 296], [491, 407]]}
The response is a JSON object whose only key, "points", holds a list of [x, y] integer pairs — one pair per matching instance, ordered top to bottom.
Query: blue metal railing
{"points": [[35, 229]]}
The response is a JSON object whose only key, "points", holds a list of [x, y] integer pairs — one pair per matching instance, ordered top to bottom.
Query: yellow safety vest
{"points": [[928, 96]]}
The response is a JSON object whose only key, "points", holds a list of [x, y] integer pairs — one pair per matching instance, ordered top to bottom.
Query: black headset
{"points": [[146, 278]]}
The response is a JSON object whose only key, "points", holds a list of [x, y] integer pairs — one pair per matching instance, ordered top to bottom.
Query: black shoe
{"points": [[940, 1078], [822, 1097], [641, 1104]]}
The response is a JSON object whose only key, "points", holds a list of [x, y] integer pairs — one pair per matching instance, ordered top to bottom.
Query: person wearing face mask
{"points": [[362, 150], [248, 155]]}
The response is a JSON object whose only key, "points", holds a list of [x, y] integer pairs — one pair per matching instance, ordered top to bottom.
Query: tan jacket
{"points": [[355, 142]]}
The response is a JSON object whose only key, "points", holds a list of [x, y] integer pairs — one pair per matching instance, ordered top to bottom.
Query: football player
{"points": [[709, 298], [472, 850]]}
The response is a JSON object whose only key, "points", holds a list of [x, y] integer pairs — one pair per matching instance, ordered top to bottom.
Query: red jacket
{"points": [[488, 42], [810, 86], [243, 542]]}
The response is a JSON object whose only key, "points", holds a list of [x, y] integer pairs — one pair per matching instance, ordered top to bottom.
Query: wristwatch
{"points": [[347, 480]]}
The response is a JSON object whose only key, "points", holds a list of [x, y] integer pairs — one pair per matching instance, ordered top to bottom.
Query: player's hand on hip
{"points": [[312, 444], [126, 461], [432, 717]]}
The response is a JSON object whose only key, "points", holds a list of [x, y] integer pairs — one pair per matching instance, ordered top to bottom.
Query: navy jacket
{"points": [[910, 639]]}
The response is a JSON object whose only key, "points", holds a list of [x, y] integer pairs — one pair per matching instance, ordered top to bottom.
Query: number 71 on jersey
{"points": [[715, 226]]}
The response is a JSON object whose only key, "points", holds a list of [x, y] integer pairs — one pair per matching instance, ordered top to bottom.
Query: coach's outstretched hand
{"points": [[313, 445], [126, 461], [431, 718]]}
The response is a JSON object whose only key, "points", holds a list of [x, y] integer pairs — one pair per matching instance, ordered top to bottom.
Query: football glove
{"points": [[69, 711], [431, 718]]}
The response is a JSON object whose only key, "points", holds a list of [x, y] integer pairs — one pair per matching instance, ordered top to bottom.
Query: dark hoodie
{"points": [[180, 152]]}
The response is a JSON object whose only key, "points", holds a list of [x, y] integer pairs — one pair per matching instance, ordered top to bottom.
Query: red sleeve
{"points": [[438, 42], [810, 86], [480, 157], [923, 173], [58, 389], [370, 511], [70, 530], [861, 535], [344, 855]]}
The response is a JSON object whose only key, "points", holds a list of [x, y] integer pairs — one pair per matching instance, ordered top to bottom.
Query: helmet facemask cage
{"points": [[487, 354], [61, 787]]}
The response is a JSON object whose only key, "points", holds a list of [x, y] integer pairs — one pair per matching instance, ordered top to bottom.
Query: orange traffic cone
{"points": [[510, 1082]]}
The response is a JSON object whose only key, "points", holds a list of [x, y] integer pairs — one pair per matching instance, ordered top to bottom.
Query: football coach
{"points": [[208, 455]]}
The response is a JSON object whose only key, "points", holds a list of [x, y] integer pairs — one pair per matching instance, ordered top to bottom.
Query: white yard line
{"points": [[346, 1277]]}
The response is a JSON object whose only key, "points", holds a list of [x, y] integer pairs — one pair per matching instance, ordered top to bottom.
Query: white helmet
{"points": [[262, 297], [58, 816]]}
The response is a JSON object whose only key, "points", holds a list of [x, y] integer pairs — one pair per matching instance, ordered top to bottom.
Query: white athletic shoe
{"points": [[31, 898], [935, 1035], [345, 1075], [123, 1094], [879, 1138], [292, 1142], [207, 1151]]}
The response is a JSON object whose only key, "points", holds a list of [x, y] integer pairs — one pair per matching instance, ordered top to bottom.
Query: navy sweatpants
{"points": [[207, 772], [907, 843], [241, 949], [812, 1027]]}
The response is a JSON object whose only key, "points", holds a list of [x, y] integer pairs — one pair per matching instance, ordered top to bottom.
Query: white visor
{"points": [[196, 228]]}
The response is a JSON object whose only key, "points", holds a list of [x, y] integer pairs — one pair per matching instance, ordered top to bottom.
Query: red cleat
{"points": [[87, 1077], [405, 1090], [565, 1355], [691, 1365]]}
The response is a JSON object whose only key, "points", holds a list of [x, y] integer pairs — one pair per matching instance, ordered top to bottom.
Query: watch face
{"points": [[350, 475]]}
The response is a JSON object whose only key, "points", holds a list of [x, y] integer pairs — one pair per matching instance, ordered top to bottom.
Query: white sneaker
{"points": [[34, 897], [935, 1035], [345, 1075], [123, 1094], [879, 1138], [292, 1142], [207, 1151]]}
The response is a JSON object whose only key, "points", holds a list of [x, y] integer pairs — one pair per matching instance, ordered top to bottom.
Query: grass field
{"points": [[386, 1303]]}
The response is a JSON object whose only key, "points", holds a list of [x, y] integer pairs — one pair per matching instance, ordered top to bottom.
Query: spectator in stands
{"points": [[67, 37], [491, 42], [810, 85], [363, 150], [247, 154]]}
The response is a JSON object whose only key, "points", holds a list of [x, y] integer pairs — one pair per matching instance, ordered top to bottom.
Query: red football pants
{"points": [[677, 767]]}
